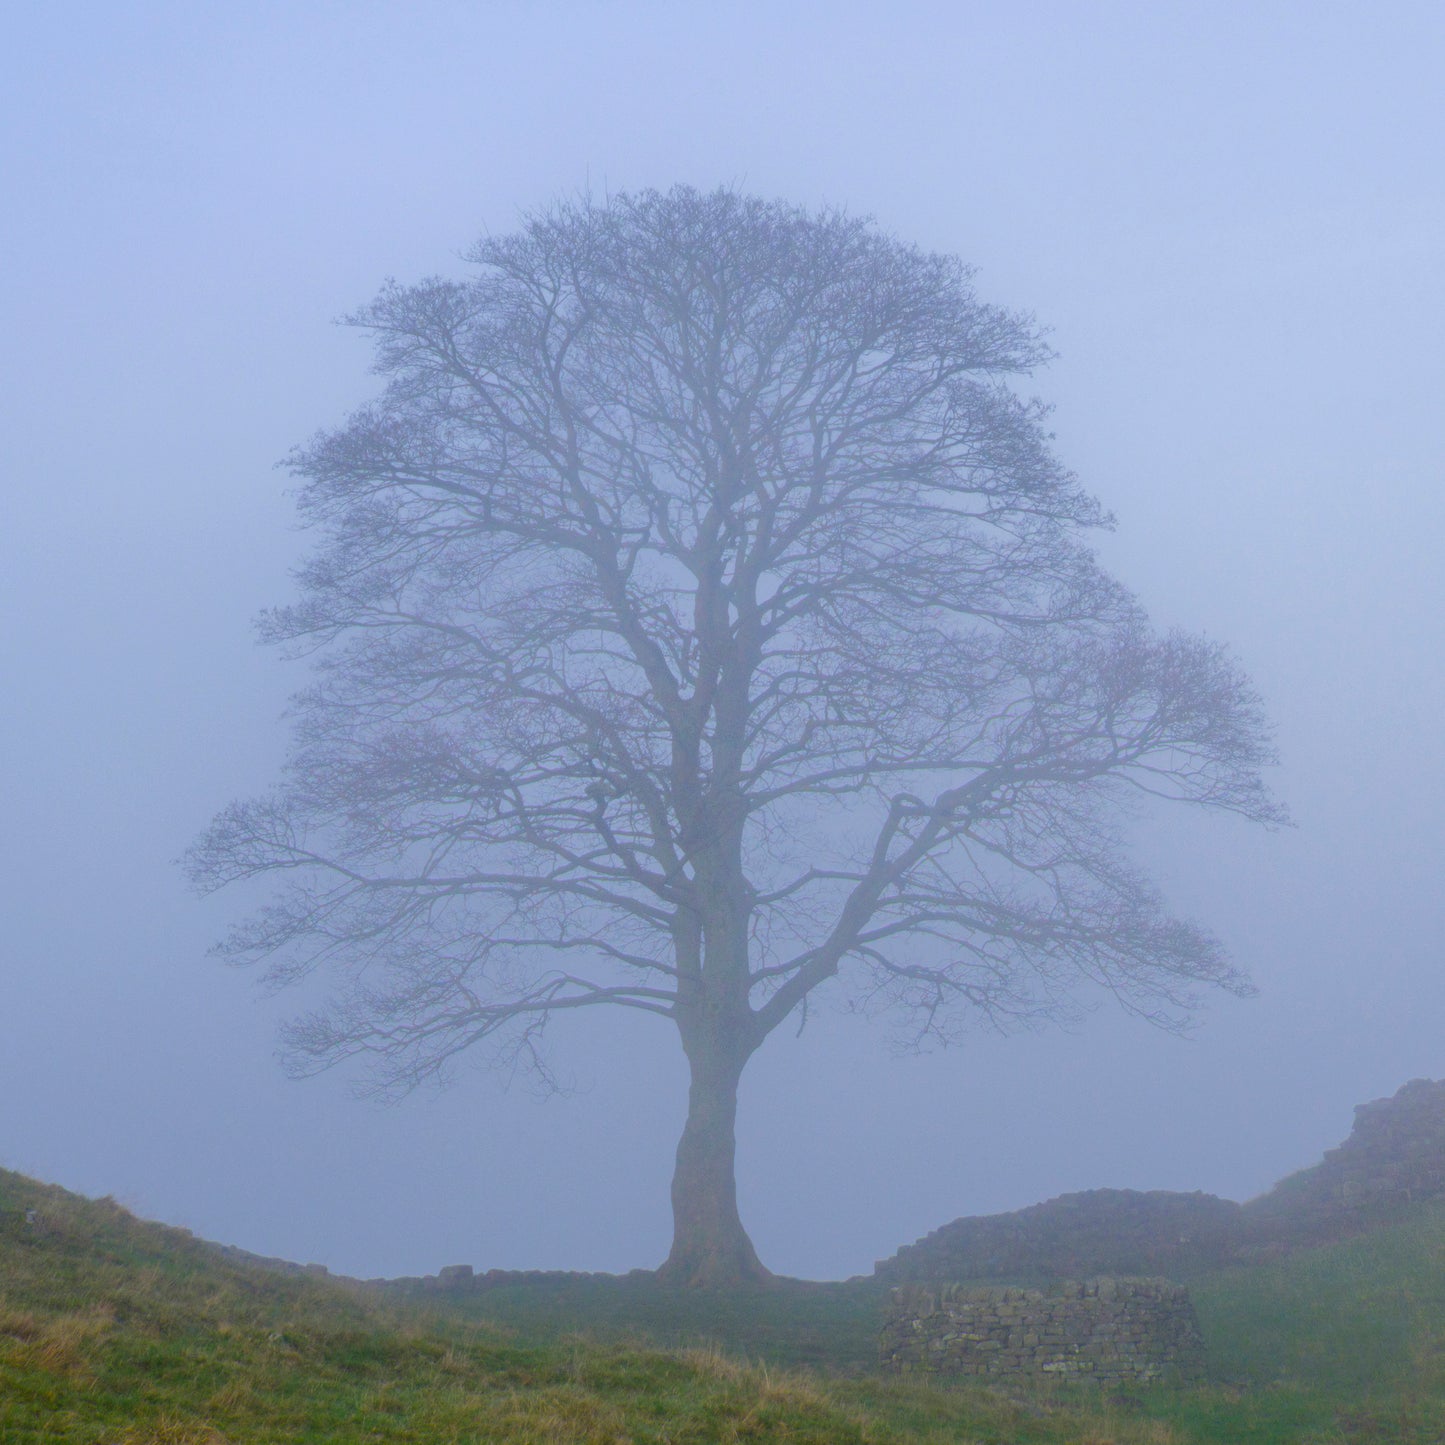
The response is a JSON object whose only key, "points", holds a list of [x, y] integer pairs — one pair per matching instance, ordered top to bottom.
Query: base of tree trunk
{"points": [[710, 1247], [715, 1267]]}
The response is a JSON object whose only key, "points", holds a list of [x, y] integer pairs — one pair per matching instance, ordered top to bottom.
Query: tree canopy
{"points": [[698, 617]]}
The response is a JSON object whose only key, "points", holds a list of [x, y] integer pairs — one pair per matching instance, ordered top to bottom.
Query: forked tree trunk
{"points": [[709, 1245]]}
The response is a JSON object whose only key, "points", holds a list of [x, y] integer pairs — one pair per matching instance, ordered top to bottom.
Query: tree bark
{"points": [[710, 1247]]}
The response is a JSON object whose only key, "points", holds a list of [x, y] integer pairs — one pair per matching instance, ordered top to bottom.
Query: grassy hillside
{"points": [[832, 1327], [1354, 1329], [118, 1332]]}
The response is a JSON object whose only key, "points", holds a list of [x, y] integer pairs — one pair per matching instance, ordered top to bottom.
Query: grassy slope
{"points": [[833, 1327], [117, 1332], [1354, 1332]]}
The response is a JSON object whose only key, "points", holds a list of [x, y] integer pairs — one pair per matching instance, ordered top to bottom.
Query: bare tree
{"points": [[700, 618]]}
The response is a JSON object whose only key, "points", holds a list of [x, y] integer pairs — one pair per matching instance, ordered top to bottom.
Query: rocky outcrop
{"points": [[1393, 1160], [1101, 1231], [1103, 1331]]}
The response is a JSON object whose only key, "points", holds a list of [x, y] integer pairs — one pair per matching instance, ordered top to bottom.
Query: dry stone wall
{"points": [[1104, 1331]]}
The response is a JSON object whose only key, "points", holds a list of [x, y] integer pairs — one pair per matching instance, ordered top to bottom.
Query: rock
{"points": [[1393, 1160], [1099, 1232]]}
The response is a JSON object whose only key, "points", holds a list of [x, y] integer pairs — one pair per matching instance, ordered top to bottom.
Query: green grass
{"points": [[796, 1323], [118, 1332]]}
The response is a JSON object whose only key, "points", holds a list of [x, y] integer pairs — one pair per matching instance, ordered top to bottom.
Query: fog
{"points": [[1231, 220]]}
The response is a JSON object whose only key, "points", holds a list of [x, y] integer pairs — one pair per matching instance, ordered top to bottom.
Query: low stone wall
{"points": [[463, 1279], [1107, 1331]]}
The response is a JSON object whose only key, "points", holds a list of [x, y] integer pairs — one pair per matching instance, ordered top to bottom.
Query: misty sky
{"points": [[1230, 215]]}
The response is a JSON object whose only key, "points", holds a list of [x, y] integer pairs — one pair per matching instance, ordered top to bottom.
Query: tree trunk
{"points": [[709, 1245]]}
